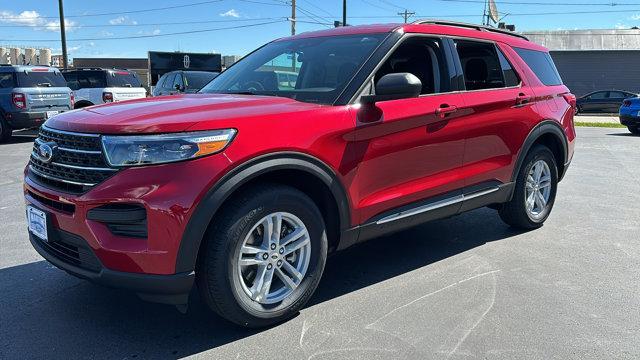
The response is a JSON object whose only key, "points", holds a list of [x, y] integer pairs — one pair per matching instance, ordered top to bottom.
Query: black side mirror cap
{"points": [[395, 86]]}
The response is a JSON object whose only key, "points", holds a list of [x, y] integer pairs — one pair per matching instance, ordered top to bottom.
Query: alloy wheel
{"points": [[538, 190], [274, 258]]}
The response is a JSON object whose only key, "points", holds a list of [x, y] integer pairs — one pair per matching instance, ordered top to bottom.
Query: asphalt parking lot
{"points": [[466, 287]]}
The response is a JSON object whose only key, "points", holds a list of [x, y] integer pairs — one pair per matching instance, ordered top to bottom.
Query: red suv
{"points": [[244, 188]]}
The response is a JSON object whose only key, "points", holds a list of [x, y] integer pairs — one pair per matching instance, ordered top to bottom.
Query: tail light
{"points": [[72, 97], [107, 97], [570, 99], [19, 100], [626, 103]]}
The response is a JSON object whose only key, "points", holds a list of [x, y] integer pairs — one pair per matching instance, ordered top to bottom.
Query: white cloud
{"points": [[231, 13], [635, 17], [34, 19], [123, 20], [622, 26], [147, 32], [106, 33]]}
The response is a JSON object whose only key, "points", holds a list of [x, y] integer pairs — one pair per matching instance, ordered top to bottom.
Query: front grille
{"points": [[77, 164], [58, 205], [70, 249]]}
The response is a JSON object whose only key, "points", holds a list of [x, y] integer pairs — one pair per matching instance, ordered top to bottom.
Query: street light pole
{"points": [[344, 12], [293, 17], [63, 36]]}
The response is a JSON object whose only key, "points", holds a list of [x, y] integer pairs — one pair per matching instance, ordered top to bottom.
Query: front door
{"points": [[412, 149]]}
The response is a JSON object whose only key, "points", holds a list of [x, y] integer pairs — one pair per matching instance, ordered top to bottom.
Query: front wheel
{"points": [[635, 130], [535, 191], [264, 256]]}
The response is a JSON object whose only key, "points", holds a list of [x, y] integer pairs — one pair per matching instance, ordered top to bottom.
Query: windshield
{"points": [[309, 69], [40, 79], [196, 80]]}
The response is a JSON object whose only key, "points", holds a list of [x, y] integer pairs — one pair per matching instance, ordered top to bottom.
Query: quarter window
{"points": [[541, 64], [510, 76], [6, 80]]}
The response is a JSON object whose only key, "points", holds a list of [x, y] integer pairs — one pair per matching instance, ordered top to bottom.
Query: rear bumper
{"points": [[27, 119], [629, 120], [60, 251]]}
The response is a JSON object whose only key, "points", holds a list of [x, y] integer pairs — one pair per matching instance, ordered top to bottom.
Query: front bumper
{"points": [[28, 119], [168, 195], [59, 251]]}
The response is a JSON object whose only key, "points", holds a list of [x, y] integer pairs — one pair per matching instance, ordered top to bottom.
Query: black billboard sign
{"points": [[163, 62]]}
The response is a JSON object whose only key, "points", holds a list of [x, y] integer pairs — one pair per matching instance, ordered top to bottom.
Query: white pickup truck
{"points": [[93, 86]]}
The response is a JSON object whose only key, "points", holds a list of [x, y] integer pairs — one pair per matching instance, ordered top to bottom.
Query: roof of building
{"points": [[595, 39]]}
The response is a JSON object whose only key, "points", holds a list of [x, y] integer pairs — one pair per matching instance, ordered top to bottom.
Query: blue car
{"points": [[630, 114]]}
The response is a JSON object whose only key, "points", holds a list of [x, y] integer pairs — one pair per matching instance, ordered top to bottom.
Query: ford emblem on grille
{"points": [[46, 151]]}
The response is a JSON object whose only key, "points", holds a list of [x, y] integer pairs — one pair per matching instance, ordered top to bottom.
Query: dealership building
{"points": [[589, 60]]}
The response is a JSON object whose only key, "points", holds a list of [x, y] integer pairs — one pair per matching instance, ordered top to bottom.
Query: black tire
{"points": [[5, 130], [634, 130], [514, 212], [216, 275]]}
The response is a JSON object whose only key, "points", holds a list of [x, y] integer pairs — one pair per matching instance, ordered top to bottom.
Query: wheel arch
{"points": [[550, 134], [330, 197]]}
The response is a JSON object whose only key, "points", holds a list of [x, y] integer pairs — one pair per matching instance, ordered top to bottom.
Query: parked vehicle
{"points": [[178, 82], [94, 86], [29, 95], [603, 101], [630, 114], [245, 187]]}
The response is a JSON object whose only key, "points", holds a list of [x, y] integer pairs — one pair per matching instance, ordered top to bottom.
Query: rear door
{"points": [[498, 101], [615, 101], [596, 102]]}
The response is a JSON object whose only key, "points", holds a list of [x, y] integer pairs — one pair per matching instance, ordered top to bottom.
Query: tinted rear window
{"points": [[541, 64], [40, 79], [123, 79], [197, 80]]}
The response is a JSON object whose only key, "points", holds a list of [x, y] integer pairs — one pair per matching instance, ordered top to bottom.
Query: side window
{"points": [[422, 57], [541, 64], [481, 65], [510, 76], [6, 80], [161, 81], [177, 81], [599, 95], [616, 95]]}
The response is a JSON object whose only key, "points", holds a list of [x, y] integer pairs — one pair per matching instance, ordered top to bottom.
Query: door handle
{"points": [[522, 99], [445, 109]]}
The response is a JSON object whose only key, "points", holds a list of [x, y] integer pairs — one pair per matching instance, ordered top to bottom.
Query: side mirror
{"points": [[395, 86], [178, 87]]}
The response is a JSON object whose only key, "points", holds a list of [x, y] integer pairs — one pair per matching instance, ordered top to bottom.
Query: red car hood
{"points": [[171, 113]]}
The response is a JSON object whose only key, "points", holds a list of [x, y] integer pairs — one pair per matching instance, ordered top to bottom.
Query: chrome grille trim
{"points": [[58, 179]]}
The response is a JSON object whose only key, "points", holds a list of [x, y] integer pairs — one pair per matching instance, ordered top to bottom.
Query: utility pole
{"points": [[344, 12], [406, 14], [293, 17], [63, 36]]}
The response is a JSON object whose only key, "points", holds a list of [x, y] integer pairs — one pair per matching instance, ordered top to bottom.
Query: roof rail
{"points": [[470, 26], [84, 68]]}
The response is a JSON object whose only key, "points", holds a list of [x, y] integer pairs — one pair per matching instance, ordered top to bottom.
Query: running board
{"points": [[436, 205]]}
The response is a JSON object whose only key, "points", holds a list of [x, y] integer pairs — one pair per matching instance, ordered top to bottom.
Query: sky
{"points": [[118, 28]]}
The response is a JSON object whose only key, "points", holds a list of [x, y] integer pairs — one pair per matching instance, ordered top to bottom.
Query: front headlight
{"points": [[140, 150]]}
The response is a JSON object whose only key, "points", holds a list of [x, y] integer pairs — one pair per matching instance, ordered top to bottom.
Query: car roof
{"points": [[434, 27], [20, 68]]}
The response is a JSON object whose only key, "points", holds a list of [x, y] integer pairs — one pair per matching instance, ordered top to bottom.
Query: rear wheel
{"points": [[5, 130], [635, 130], [535, 191], [263, 257]]}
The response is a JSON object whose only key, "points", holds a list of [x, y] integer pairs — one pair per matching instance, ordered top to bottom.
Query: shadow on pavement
{"points": [[625, 134], [22, 137], [45, 311]]}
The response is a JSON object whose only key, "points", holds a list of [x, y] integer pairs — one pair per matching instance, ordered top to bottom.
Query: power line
{"points": [[546, 3], [124, 12], [406, 14], [151, 24], [150, 35]]}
